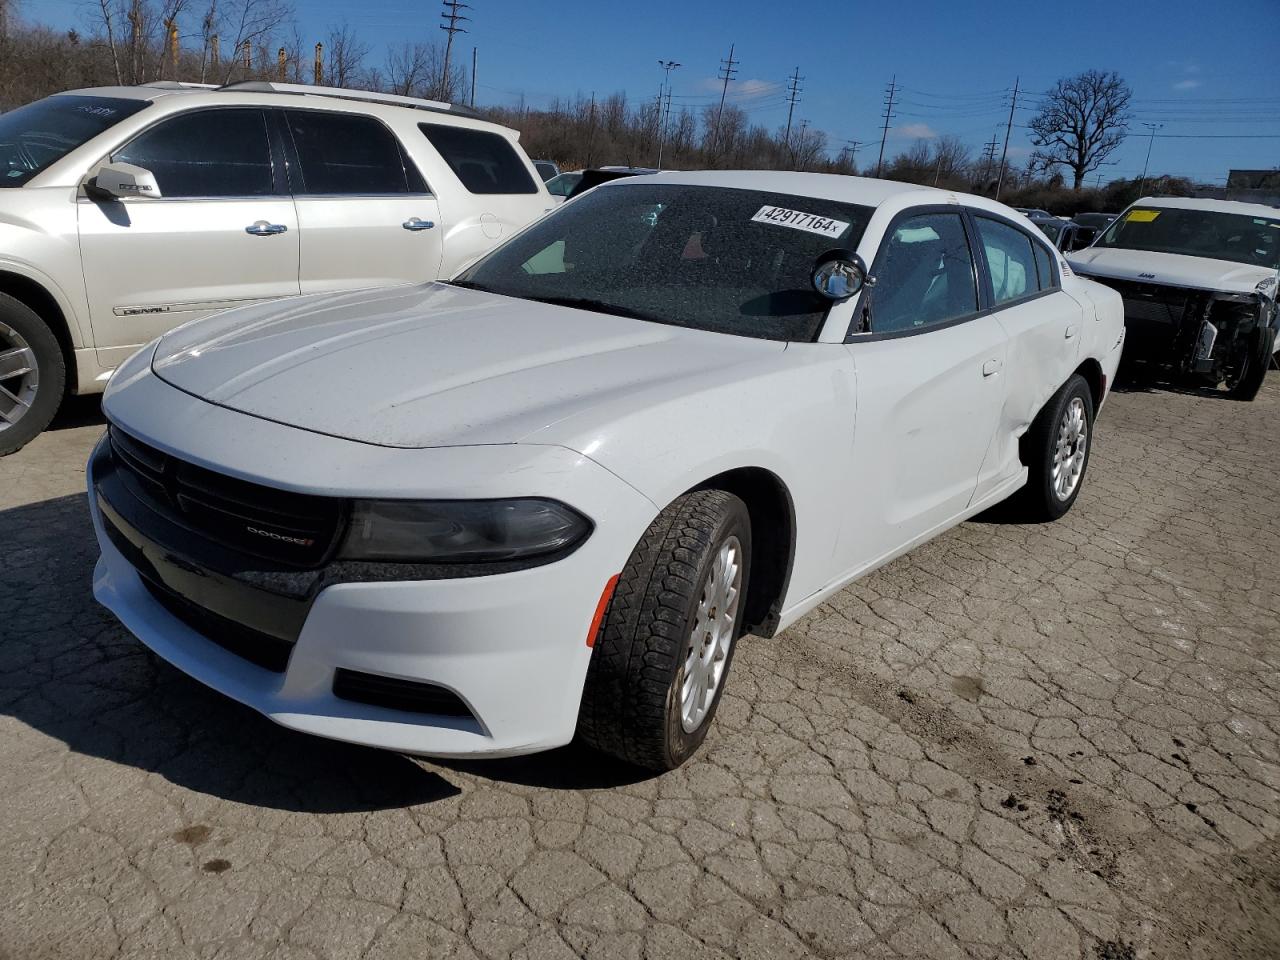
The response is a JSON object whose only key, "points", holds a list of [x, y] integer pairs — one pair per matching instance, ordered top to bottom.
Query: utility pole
{"points": [[452, 15], [282, 65], [318, 73], [726, 74], [473, 76], [793, 97], [1013, 105], [663, 115], [888, 115], [804, 125], [1153, 127], [591, 133], [851, 150], [989, 157]]}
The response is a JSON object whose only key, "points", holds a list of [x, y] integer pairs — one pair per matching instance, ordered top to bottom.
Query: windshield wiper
{"points": [[466, 285]]}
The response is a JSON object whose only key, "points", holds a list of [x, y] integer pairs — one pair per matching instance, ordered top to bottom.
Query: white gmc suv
{"points": [[126, 211]]}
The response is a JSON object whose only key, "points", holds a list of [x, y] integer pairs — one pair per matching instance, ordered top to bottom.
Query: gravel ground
{"points": [[1047, 742]]}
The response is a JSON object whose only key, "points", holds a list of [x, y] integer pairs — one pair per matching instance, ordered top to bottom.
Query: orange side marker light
{"points": [[600, 608]]}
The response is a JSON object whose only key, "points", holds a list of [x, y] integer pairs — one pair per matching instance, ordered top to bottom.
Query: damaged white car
{"points": [[1198, 278]]}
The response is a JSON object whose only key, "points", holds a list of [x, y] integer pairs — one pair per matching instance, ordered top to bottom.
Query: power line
{"points": [[453, 15], [726, 73], [793, 97], [888, 115], [1007, 130]]}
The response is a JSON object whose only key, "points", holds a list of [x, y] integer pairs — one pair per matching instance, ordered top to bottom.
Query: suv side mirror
{"points": [[118, 181]]}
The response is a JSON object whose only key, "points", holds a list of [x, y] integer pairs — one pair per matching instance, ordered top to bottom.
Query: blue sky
{"points": [[1211, 74]]}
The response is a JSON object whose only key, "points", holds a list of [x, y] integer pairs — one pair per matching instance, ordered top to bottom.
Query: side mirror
{"points": [[118, 181], [838, 274]]}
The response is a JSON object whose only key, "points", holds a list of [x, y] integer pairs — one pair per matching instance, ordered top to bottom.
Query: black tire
{"points": [[1256, 362], [50, 367], [1039, 501], [631, 705]]}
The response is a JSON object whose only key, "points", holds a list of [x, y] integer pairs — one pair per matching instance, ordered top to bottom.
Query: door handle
{"points": [[416, 223], [260, 228], [1072, 331], [991, 368]]}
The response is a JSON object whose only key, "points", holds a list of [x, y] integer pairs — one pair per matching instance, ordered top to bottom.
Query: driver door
{"points": [[223, 232], [930, 387]]}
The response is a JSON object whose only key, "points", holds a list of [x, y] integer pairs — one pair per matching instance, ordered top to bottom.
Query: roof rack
{"points": [[178, 85], [340, 93]]}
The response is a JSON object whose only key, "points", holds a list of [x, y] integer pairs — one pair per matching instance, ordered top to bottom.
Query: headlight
{"points": [[461, 531]]}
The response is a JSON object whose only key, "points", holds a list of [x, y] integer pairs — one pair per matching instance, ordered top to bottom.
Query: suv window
{"points": [[34, 136], [206, 153], [344, 153], [485, 162], [1010, 259], [924, 275]]}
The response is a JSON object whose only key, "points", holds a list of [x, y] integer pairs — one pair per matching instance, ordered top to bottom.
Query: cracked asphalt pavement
{"points": [[1047, 742]]}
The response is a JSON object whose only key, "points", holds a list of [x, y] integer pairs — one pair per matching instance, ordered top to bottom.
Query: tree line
{"points": [[1080, 124]]}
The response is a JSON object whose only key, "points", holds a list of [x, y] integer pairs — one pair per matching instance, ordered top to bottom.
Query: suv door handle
{"points": [[416, 223], [260, 228], [1072, 331], [991, 368]]}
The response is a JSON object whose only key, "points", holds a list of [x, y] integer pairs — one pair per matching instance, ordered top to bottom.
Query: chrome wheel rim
{"points": [[19, 377], [1073, 445], [714, 626]]}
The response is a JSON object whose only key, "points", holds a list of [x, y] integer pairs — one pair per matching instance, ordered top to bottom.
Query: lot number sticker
{"points": [[797, 220]]}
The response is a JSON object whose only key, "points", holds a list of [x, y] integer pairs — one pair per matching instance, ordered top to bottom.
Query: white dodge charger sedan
{"points": [[547, 497]]}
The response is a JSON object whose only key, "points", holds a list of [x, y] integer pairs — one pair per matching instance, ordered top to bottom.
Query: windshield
{"points": [[34, 136], [1050, 228], [1240, 238], [710, 258]]}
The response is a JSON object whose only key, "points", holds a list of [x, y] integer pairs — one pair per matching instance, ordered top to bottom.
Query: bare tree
{"points": [[253, 22], [344, 57], [409, 68], [1083, 120]]}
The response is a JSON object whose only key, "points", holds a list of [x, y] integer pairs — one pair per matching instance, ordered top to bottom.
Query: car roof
{"points": [[264, 92], [864, 191], [1216, 206]]}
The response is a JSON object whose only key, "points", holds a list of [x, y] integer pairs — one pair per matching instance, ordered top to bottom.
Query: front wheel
{"points": [[32, 375], [1247, 380], [1056, 451], [663, 651]]}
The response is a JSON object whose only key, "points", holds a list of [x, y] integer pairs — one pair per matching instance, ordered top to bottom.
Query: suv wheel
{"points": [[1252, 371], [32, 375], [1056, 451], [663, 651]]}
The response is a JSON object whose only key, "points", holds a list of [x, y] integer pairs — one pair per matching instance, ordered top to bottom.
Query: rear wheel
{"points": [[32, 375], [1246, 381], [1056, 452], [663, 651]]}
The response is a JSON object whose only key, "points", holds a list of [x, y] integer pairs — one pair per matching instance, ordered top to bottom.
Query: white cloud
{"points": [[1186, 84], [742, 90], [916, 131]]}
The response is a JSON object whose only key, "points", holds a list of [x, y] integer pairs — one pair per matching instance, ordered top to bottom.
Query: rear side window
{"points": [[206, 153], [347, 154], [485, 162], [1010, 260], [1044, 266]]}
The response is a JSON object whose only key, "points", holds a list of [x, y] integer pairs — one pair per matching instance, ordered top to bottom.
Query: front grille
{"points": [[1150, 302], [295, 529], [268, 652], [396, 694]]}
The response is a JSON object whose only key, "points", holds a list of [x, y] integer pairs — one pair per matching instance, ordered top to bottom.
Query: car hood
{"points": [[1174, 269], [434, 365]]}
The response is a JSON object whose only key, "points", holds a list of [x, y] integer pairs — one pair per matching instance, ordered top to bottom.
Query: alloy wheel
{"points": [[19, 377], [1071, 450], [715, 625]]}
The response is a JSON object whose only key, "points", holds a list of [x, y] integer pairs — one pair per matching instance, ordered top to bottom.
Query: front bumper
{"points": [[511, 646]]}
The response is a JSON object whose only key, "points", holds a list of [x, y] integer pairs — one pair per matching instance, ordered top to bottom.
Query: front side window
{"points": [[36, 135], [206, 153], [346, 154], [485, 162], [1238, 237], [711, 258], [1010, 260], [924, 275]]}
